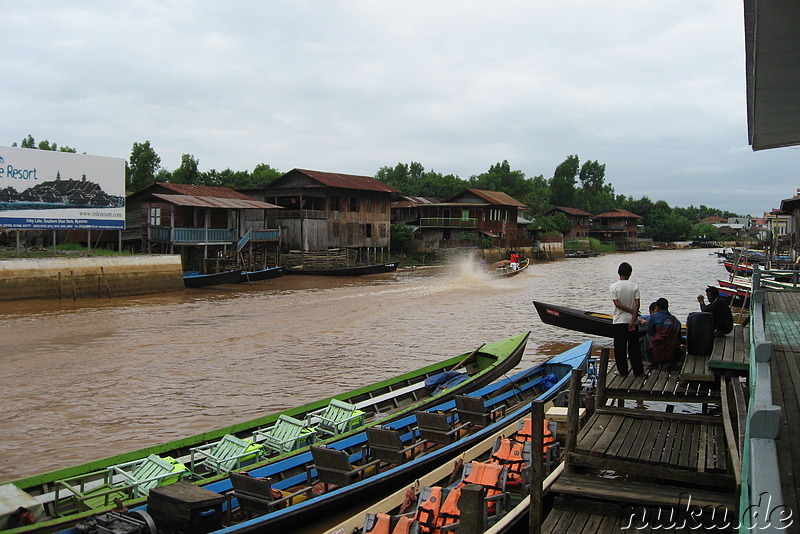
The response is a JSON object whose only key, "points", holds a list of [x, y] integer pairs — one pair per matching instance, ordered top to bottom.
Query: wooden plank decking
{"points": [[783, 330], [732, 352], [660, 385]]}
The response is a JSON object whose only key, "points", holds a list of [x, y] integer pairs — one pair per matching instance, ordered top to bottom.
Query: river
{"points": [[87, 379]]}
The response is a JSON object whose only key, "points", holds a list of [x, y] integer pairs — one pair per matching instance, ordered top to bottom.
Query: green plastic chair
{"points": [[336, 418], [287, 434], [225, 455], [124, 481]]}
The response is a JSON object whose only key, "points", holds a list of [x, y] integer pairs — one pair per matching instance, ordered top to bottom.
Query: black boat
{"points": [[356, 270], [263, 274], [202, 280], [598, 324]]}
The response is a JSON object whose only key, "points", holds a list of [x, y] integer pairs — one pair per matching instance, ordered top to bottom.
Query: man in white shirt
{"points": [[625, 295]]}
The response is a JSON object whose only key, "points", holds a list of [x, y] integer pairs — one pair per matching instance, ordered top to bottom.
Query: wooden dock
{"points": [[782, 321], [641, 468]]}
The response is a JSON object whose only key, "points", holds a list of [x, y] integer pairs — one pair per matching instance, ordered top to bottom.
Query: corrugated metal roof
{"points": [[347, 181], [204, 191], [497, 197], [215, 202], [572, 211], [617, 213]]}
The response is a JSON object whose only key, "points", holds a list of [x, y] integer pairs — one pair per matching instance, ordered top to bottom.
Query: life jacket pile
{"points": [[510, 450], [435, 512], [383, 525]]}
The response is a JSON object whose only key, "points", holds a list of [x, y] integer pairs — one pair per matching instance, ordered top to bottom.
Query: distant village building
{"points": [[791, 208], [346, 216], [467, 219], [581, 221], [618, 226], [212, 228]]}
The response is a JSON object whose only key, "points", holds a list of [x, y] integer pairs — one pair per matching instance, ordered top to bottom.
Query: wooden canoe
{"points": [[356, 270], [202, 280]]}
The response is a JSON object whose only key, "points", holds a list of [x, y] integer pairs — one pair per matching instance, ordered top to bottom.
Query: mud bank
{"points": [[74, 278]]}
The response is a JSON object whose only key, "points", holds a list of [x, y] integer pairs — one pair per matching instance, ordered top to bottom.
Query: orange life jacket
{"points": [[527, 433], [509, 454], [486, 475], [428, 511], [450, 514], [383, 525]]}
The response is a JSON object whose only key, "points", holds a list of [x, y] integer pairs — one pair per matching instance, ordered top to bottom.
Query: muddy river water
{"points": [[88, 379]]}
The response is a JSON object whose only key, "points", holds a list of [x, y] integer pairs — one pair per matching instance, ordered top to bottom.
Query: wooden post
{"points": [[72, 279], [59, 285], [108, 287], [602, 374], [572, 416], [537, 469], [472, 505]]}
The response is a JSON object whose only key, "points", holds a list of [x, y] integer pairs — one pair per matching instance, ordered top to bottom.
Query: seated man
{"points": [[720, 311], [664, 331]]}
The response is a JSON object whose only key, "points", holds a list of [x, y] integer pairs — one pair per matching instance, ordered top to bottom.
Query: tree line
{"points": [[572, 184]]}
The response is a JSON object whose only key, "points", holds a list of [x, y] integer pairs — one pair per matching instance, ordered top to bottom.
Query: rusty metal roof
{"points": [[347, 181], [204, 191], [497, 198], [216, 202], [571, 211], [617, 213]]}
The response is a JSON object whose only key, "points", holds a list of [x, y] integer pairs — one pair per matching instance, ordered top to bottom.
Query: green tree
{"points": [[28, 142], [140, 170], [188, 172], [264, 175], [500, 177], [562, 184], [558, 222], [704, 232], [401, 234]]}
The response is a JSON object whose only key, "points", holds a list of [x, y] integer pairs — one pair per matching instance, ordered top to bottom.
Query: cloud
{"points": [[653, 89]]}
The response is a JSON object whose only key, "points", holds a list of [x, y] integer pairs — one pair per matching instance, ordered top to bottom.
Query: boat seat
{"points": [[472, 410], [336, 418], [436, 428], [287, 434], [385, 445], [550, 451], [227, 454], [334, 467], [124, 481], [257, 497], [374, 520]]}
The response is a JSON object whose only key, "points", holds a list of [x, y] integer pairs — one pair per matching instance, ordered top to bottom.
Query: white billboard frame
{"points": [[50, 190]]}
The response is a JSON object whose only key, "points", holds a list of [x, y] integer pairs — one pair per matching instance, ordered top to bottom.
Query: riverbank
{"points": [[81, 277]]}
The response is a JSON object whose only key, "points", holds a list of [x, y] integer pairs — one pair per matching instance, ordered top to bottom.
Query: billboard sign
{"points": [[45, 189]]}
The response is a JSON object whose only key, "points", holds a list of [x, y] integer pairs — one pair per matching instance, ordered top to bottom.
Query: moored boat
{"points": [[355, 270], [262, 274], [213, 279], [595, 323], [512, 394], [377, 403]]}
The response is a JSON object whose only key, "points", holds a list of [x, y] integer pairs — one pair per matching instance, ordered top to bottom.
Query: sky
{"points": [[655, 90]]}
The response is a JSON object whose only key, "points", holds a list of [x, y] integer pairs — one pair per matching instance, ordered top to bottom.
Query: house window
{"points": [[353, 204], [368, 205], [155, 216], [367, 230], [383, 230]]}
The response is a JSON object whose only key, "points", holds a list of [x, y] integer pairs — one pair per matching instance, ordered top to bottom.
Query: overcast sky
{"points": [[654, 89]]}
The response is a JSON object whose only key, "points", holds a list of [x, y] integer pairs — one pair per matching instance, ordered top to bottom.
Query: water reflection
{"points": [[102, 376]]}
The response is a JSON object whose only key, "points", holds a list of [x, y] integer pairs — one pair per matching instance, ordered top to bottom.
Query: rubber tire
{"points": [[700, 334]]}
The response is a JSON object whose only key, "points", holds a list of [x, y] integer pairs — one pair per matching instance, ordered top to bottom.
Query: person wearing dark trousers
{"points": [[626, 298], [720, 311]]}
